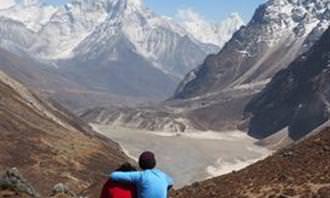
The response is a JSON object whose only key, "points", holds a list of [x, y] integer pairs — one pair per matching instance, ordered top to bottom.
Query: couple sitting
{"points": [[127, 182]]}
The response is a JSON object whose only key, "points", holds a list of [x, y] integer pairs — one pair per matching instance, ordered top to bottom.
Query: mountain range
{"points": [[115, 47], [228, 91]]}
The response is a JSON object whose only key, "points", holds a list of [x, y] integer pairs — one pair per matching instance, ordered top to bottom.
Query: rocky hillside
{"points": [[46, 80], [297, 99], [218, 112], [49, 146], [302, 170]]}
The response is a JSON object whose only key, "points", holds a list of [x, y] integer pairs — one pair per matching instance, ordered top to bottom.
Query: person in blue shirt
{"points": [[150, 182]]}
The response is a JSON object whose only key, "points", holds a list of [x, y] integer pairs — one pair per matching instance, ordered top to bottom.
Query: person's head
{"points": [[147, 160], [126, 167]]}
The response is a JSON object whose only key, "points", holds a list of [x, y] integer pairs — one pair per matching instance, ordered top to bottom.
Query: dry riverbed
{"points": [[190, 157]]}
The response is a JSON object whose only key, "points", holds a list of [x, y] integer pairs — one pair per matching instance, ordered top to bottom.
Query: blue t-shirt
{"points": [[150, 183]]}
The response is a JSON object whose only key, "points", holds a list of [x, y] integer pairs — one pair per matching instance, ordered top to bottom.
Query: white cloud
{"points": [[6, 3], [190, 15], [217, 33]]}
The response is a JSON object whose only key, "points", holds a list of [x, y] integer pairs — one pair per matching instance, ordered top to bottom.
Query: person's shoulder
{"points": [[156, 170], [160, 172]]}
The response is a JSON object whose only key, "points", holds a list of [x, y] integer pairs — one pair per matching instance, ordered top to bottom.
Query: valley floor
{"points": [[190, 157]]}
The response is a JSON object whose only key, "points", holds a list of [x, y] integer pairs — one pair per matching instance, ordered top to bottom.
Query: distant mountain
{"points": [[279, 31], [117, 46], [214, 96], [297, 99], [50, 146], [301, 170]]}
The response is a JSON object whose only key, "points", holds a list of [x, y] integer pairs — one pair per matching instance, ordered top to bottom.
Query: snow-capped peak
{"points": [[108, 5], [80, 25]]}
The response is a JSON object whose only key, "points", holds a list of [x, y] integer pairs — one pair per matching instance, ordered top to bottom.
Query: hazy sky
{"points": [[214, 10]]}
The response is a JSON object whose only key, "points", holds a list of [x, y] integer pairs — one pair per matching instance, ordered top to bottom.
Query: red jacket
{"points": [[117, 190]]}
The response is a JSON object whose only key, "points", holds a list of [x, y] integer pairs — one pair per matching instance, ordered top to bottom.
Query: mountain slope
{"points": [[279, 31], [159, 41], [103, 70], [297, 98], [48, 145], [301, 170]]}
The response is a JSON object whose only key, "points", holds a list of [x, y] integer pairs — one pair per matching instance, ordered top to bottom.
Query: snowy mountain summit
{"points": [[64, 32], [86, 39]]}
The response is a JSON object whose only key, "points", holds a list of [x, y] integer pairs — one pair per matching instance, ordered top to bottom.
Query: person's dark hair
{"points": [[147, 160], [126, 167]]}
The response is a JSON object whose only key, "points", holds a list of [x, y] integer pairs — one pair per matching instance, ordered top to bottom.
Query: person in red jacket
{"points": [[113, 189]]}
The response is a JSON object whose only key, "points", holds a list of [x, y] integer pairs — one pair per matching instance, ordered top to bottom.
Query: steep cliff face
{"points": [[280, 31], [297, 98], [48, 145]]}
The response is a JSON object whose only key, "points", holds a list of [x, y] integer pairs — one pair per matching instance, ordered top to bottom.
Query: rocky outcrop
{"points": [[298, 98], [15, 184], [61, 190]]}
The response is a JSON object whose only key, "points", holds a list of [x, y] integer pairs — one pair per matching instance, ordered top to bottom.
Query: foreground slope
{"points": [[49, 146], [302, 170]]}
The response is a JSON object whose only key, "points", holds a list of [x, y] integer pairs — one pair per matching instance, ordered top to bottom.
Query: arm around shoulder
{"points": [[131, 177]]}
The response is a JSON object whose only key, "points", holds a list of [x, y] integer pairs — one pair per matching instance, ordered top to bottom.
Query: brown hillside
{"points": [[49, 146], [302, 170]]}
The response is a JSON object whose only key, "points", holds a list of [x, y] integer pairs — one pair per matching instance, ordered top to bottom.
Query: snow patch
{"points": [[253, 85], [211, 135], [222, 166]]}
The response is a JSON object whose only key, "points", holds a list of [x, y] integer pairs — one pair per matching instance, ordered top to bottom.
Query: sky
{"points": [[214, 10]]}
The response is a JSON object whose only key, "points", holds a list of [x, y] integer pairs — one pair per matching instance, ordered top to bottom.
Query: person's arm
{"points": [[130, 177], [170, 183]]}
